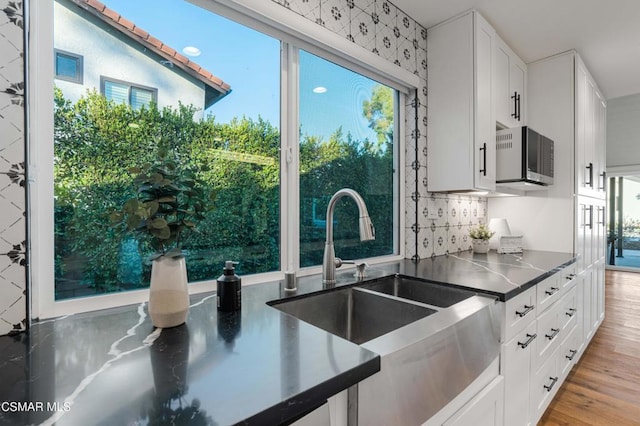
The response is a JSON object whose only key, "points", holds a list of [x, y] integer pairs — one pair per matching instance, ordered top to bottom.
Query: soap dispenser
{"points": [[229, 288]]}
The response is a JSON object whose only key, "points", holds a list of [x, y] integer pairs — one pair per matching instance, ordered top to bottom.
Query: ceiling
{"points": [[606, 34]]}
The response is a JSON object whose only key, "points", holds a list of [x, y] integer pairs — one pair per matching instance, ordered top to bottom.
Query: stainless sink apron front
{"points": [[426, 364]]}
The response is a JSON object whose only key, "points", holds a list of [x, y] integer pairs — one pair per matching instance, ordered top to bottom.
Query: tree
{"points": [[380, 113], [97, 142]]}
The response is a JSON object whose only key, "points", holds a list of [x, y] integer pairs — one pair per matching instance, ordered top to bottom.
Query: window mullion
{"points": [[290, 159]]}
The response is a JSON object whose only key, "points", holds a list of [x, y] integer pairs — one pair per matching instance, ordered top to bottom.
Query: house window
{"points": [[68, 66], [122, 92]]}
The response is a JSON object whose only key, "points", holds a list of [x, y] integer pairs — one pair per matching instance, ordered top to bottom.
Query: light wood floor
{"points": [[604, 387]]}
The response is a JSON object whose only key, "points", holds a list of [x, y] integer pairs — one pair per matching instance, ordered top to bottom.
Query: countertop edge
{"points": [[526, 286], [295, 407]]}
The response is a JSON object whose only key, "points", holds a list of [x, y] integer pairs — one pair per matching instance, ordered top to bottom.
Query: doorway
{"points": [[623, 224]]}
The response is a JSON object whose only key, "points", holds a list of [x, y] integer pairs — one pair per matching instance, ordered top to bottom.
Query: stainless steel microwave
{"points": [[523, 155]]}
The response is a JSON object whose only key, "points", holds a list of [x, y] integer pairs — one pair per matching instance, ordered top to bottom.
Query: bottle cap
{"points": [[229, 265]]}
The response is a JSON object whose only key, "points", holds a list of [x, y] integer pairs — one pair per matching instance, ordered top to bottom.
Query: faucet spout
{"points": [[367, 232]]}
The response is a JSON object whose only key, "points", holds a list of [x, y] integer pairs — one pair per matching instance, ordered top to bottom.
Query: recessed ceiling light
{"points": [[191, 51], [319, 89]]}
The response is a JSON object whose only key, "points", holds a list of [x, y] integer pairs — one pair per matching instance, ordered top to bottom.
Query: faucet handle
{"points": [[360, 266], [360, 274]]}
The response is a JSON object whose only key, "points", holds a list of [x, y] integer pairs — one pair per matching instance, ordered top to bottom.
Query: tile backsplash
{"points": [[435, 224], [13, 282]]}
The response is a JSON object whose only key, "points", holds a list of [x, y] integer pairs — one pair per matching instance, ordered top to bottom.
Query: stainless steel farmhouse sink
{"points": [[418, 290], [354, 314], [434, 342]]}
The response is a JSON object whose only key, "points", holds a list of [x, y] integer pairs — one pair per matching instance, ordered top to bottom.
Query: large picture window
{"points": [[209, 90], [212, 113]]}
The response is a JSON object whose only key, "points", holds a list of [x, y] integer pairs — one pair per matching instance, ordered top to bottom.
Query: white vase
{"points": [[480, 246], [168, 292]]}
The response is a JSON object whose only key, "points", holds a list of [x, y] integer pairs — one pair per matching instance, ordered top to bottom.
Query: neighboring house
{"points": [[97, 48]]}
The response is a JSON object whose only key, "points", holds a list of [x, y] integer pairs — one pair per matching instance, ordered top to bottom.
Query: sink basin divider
{"points": [[398, 298]]}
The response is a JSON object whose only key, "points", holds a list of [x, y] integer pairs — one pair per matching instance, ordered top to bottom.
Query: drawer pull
{"points": [[570, 277], [552, 291], [527, 309], [571, 312], [552, 335], [531, 338], [573, 354], [550, 386]]}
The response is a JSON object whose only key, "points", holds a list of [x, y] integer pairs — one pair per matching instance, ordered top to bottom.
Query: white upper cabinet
{"points": [[510, 86], [461, 131], [590, 134]]}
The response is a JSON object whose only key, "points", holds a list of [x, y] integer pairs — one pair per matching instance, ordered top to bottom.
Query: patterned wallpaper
{"points": [[436, 224], [13, 298]]}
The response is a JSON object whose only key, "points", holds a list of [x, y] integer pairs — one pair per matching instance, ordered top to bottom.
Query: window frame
{"points": [[266, 17], [79, 66], [104, 80], [398, 174]]}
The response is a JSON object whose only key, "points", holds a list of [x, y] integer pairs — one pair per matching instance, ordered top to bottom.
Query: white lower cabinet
{"points": [[587, 304], [538, 354], [517, 357], [545, 385], [484, 409]]}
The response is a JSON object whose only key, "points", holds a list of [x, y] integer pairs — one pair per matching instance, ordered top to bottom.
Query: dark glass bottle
{"points": [[229, 289]]}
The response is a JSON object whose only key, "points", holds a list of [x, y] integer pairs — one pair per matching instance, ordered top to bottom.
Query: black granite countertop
{"points": [[501, 275], [258, 366]]}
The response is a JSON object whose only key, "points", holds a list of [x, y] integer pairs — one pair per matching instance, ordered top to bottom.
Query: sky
{"points": [[250, 63]]}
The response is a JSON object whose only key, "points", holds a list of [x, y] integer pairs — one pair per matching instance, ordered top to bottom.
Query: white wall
{"points": [[106, 54], [623, 132]]}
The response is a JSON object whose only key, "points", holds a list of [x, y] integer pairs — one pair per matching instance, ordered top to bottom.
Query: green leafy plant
{"points": [[170, 199], [481, 232]]}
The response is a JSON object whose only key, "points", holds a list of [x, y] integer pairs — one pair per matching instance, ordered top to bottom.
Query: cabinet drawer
{"points": [[568, 276], [548, 291], [569, 309], [518, 313], [548, 329], [569, 352], [545, 385]]}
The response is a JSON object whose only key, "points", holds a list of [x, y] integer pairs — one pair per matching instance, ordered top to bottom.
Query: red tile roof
{"points": [[128, 28]]}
